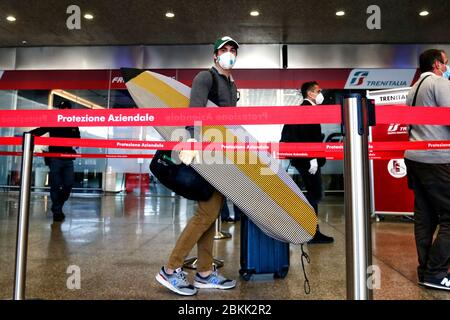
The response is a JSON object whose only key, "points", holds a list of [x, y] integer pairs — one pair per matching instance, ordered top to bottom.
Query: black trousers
{"points": [[61, 179], [313, 186], [431, 186]]}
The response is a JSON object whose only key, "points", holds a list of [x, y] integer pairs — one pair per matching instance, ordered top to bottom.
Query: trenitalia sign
{"points": [[380, 78], [389, 97]]}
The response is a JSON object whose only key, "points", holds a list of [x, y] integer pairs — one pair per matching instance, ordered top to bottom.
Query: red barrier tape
{"points": [[412, 115], [170, 116], [214, 116], [269, 147], [79, 155], [285, 155]]}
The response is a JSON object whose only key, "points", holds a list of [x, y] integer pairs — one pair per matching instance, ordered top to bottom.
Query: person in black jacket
{"points": [[309, 168], [61, 176]]}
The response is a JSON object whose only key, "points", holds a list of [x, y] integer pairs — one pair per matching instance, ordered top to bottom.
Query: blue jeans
{"points": [[61, 182]]}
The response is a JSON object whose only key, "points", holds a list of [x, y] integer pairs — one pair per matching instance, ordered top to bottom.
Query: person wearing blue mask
{"points": [[447, 72], [428, 173]]}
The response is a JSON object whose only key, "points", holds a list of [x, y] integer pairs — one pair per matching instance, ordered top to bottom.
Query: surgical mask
{"points": [[226, 60], [446, 74], [319, 98]]}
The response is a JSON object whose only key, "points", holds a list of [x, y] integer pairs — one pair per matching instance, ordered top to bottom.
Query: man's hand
{"points": [[187, 156], [313, 166]]}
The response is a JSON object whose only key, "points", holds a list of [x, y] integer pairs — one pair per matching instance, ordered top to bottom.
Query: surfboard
{"points": [[261, 188]]}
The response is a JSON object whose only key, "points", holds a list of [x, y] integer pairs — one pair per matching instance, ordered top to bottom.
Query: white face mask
{"points": [[226, 60], [319, 98]]}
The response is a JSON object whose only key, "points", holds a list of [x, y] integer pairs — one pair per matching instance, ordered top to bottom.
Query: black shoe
{"points": [[58, 217], [321, 238], [421, 282], [438, 283]]}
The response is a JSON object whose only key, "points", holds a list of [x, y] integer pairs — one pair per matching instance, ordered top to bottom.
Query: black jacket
{"points": [[58, 132], [303, 133]]}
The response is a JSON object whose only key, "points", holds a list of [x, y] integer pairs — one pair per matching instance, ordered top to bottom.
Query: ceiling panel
{"points": [[118, 22]]}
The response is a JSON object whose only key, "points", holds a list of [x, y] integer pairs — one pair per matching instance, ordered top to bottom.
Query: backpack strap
{"points": [[417, 90], [415, 98]]}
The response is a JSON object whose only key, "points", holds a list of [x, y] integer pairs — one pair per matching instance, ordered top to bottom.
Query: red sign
{"points": [[112, 79], [390, 183]]}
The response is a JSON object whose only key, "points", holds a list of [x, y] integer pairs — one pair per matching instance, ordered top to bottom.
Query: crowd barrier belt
{"points": [[324, 114], [388, 114], [170, 116], [224, 116], [261, 146], [331, 151], [80, 155], [382, 155]]}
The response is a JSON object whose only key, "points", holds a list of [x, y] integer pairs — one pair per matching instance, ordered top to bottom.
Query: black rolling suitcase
{"points": [[261, 254]]}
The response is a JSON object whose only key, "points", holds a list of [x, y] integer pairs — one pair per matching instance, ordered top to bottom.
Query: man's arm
{"points": [[201, 86], [199, 98]]}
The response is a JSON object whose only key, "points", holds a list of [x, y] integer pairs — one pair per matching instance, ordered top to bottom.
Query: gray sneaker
{"points": [[213, 281], [176, 282]]}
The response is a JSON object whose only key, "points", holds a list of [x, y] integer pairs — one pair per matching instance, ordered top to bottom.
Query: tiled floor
{"points": [[119, 242]]}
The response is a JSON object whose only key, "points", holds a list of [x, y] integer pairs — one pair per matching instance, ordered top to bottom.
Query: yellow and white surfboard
{"points": [[261, 188]]}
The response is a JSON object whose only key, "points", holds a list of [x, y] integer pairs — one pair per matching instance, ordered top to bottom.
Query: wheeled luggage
{"points": [[261, 254]]}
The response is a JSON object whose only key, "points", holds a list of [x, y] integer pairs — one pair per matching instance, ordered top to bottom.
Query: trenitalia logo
{"points": [[359, 78], [379, 78], [117, 80], [395, 128]]}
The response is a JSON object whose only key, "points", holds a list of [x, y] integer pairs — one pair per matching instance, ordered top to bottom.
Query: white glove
{"points": [[187, 156], [313, 166]]}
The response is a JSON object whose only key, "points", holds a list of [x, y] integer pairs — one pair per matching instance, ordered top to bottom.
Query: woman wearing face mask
{"points": [[309, 168]]}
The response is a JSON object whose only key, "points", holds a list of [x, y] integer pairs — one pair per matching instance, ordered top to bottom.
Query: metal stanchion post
{"points": [[357, 198], [23, 217], [219, 233], [191, 263]]}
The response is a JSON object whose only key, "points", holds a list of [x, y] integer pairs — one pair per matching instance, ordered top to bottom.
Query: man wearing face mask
{"points": [[216, 85], [309, 168], [429, 174]]}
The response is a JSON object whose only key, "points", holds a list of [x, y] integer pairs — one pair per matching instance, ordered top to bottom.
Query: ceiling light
{"points": [[254, 13], [340, 13], [424, 13], [170, 14], [88, 16], [11, 18], [24, 42]]}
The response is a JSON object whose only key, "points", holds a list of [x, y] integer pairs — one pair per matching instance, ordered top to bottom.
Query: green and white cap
{"points": [[224, 40]]}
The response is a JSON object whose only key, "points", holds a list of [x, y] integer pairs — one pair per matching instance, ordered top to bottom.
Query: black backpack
{"points": [[180, 178]]}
